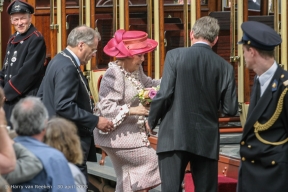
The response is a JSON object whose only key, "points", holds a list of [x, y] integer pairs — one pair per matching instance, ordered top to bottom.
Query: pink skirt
{"points": [[136, 169]]}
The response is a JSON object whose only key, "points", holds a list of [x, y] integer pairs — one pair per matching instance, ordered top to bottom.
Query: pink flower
{"points": [[152, 93]]}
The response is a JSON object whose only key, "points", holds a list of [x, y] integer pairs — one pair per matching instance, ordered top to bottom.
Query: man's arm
{"points": [[67, 94], [229, 98], [162, 101], [7, 155], [27, 166]]}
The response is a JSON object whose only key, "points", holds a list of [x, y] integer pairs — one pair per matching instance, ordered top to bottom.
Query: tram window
{"points": [[110, 2], [203, 2]]}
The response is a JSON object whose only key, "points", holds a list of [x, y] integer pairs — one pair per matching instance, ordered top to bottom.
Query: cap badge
{"points": [[17, 7], [248, 42]]}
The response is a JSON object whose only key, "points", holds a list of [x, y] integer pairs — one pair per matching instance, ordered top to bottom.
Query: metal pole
{"points": [[122, 14], [87, 23], [276, 26], [284, 34], [157, 38], [59, 43]]}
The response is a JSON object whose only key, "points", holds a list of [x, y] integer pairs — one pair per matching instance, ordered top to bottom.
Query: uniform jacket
{"points": [[23, 66], [196, 82], [116, 93], [265, 163], [56, 175]]}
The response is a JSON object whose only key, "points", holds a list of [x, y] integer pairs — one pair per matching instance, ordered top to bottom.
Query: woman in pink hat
{"points": [[134, 160]]}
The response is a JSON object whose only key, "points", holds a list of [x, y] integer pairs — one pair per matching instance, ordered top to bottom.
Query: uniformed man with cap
{"points": [[23, 65], [264, 143]]}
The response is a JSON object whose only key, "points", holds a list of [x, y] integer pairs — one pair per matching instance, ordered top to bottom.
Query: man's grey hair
{"points": [[206, 27], [82, 34], [29, 116]]}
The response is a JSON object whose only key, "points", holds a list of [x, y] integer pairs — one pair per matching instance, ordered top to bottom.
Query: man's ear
{"points": [[191, 35], [215, 41], [80, 46]]}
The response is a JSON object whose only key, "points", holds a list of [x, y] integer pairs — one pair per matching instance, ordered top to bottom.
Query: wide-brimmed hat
{"points": [[18, 6], [129, 43]]}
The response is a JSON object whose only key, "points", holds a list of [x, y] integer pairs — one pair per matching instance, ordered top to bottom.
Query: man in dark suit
{"points": [[23, 66], [196, 82], [65, 91], [264, 147]]}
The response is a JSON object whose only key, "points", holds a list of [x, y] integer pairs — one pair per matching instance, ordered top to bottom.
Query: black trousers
{"points": [[89, 153], [172, 167]]}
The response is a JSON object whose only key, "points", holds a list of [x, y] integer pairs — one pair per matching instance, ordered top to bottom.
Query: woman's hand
{"points": [[139, 110]]}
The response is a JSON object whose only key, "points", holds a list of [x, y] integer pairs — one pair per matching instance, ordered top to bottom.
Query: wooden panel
{"points": [[228, 166]]}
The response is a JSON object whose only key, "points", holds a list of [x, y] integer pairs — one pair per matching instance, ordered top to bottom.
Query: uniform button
{"points": [[11, 64], [10, 76], [243, 143], [249, 146], [243, 159], [252, 161], [273, 162]]}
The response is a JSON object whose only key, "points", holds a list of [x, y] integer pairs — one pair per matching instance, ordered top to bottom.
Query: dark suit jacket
{"points": [[195, 82], [64, 94], [252, 176]]}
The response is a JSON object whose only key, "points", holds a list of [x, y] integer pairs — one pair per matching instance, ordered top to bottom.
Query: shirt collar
{"points": [[201, 42], [75, 57], [268, 74]]}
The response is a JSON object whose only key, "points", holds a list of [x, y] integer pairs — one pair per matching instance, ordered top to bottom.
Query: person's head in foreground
{"points": [[29, 117], [62, 135]]}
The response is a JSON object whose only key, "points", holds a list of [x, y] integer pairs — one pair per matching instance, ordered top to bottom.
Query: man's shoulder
{"points": [[59, 62], [41, 150]]}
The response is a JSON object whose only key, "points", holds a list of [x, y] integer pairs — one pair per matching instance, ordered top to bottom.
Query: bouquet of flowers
{"points": [[147, 94]]}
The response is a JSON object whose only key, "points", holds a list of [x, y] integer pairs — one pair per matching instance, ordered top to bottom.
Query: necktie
{"points": [[258, 90]]}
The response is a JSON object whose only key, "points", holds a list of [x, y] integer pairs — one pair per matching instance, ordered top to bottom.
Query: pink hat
{"points": [[129, 43]]}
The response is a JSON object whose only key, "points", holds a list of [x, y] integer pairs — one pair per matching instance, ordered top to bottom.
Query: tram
{"points": [[168, 22]]}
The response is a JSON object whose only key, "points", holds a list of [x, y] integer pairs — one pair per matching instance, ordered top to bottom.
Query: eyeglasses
{"points": [[93, 51]]}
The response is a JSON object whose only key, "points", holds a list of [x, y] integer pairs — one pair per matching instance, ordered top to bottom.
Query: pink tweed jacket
{"points": [[117, 93]]}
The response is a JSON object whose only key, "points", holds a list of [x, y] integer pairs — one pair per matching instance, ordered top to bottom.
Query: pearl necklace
{"points": [[141, 118]]}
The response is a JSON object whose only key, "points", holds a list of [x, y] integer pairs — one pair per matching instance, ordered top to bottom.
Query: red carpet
{"points": [[225, 184]]}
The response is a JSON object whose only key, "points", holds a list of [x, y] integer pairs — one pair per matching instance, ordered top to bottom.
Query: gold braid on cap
{"points": [[258, 127]]}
